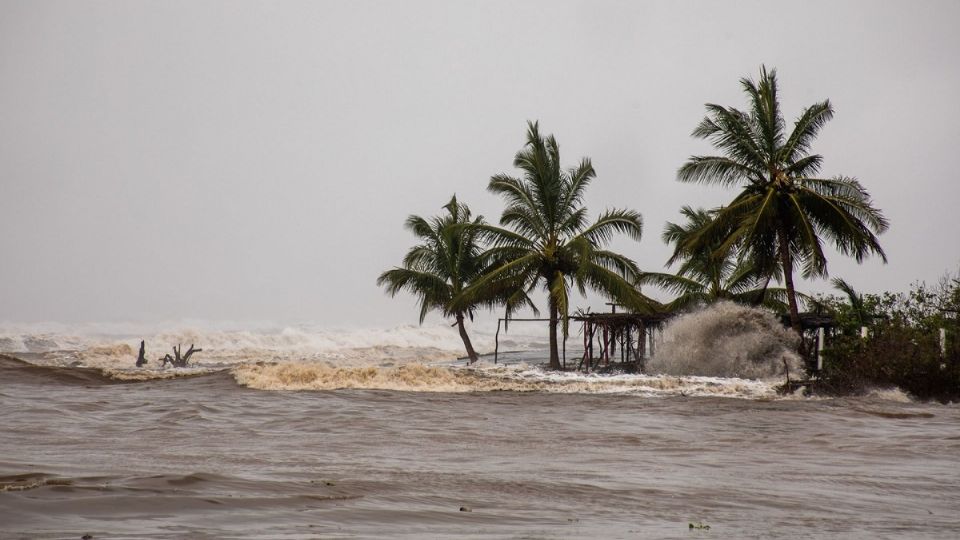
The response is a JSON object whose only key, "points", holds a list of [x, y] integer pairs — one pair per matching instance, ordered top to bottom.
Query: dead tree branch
{"points": [[178, 360]]}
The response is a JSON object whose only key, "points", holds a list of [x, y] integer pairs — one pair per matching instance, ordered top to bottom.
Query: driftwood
{"points": [[142, 357], [177, 360]]}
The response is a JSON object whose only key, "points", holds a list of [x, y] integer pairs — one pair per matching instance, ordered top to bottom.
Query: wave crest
{"points": [[355, 346], [319, 376], [422, 378]]}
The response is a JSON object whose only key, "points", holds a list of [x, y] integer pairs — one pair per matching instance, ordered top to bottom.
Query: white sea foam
{"points": [[116, 346], [298, 376], [889, 394]]}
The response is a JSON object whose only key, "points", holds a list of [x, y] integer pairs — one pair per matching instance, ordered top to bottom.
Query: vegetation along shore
{"points": [[748, 250]]}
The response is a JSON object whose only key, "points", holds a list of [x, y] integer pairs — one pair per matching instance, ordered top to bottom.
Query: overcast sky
{"points": [[255, 161]]}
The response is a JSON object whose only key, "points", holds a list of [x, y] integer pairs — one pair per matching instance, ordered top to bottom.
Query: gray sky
{"points": [[255, 161]]}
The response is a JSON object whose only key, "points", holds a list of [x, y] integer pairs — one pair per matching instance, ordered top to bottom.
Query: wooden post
{"points": [[586, 333], [821, 338], [496, 342], [627, 342], [642, 342], [606, 345], [636, 348], [564, 353], [590, 358]]}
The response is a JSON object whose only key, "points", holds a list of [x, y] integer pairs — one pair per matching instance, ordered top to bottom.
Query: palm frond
{"points": [[730, 130], [805, 130], [716, 170], [580, 178], [614, 221], [671, 283], [618, 289], [433, 290]]}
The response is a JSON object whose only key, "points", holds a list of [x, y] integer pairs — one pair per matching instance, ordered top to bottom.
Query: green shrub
{"points": [[903, 346], [896, 355]]}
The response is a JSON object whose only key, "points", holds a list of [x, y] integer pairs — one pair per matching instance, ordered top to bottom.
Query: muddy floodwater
{"points": [[205, 457]]}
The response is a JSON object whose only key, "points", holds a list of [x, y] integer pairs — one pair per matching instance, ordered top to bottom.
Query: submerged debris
{"points": [[142, 356], [177, 360]]}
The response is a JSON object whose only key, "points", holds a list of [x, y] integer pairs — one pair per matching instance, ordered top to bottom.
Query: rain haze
{"points": [[255, 161], [197, 199]]}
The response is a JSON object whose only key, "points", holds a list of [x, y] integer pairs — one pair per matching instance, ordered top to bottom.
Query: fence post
{"points": [[821, 337], [496, 343]]}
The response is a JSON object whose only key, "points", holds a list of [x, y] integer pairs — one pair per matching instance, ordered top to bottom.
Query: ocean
{"points": [[302, 432]]}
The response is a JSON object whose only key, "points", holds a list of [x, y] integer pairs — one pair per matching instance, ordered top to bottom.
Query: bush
{"points": [[903, 346], [896, 354]]}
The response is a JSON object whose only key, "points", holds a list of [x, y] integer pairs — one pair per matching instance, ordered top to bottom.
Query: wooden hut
{"points": [[621, 341]]}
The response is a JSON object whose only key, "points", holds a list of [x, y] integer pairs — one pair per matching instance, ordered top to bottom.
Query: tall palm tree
{"points": [[784, 210], [546, 240], [448, 260], [711, 274]]}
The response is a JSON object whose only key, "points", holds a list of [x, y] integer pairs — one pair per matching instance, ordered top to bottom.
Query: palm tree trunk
{"points": [[787, 263], [466, 339], [554, 353]]}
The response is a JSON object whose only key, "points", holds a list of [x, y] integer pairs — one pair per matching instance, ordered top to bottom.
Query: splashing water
{"points": [[727, 340], [712, 353]]}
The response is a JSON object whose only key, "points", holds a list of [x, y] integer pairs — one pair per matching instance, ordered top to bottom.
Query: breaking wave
{"points": [[727, 340], [115, 348], [298, 376], [28, 481]]}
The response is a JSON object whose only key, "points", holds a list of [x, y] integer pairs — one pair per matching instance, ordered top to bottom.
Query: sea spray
{"points": [[727, 340], [106, 346]]}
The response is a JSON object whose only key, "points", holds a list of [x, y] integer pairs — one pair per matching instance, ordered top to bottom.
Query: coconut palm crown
{"points": [[785, 210], [546, 240], [448, 260], [708, 275]]}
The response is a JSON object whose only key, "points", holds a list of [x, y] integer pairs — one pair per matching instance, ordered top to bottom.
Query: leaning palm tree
{"points": [[784, 210], [546, 240], [448, 260], [708, 275], [858, 308]]}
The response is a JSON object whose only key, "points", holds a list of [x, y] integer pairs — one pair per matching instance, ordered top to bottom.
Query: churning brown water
{"points": [[207, 457]]}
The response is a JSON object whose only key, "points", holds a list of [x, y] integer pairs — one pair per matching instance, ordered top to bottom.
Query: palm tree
{"points": [[784, 210], [547, 241], [448, 260], [708, 275], [854, 297], [858, 307]]}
